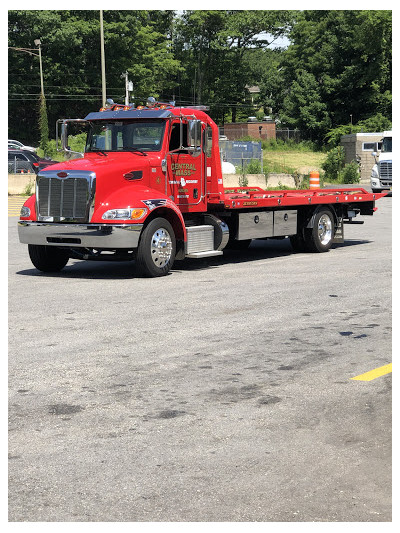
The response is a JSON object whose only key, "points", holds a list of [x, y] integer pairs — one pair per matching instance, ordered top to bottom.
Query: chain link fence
{"points": [[290, 135], [241, 153]]}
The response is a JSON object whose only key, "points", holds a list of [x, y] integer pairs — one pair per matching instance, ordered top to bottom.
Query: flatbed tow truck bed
{"points": [[255, 197]]}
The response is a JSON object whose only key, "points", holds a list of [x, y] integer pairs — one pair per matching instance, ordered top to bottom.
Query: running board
{"points": [[200, 255]]}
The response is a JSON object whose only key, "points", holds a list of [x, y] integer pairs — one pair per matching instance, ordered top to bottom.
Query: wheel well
{"points": [[308, 215], [173, 219]]}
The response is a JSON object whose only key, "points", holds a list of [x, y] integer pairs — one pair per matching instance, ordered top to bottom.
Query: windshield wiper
{"points": [[138, 150]]}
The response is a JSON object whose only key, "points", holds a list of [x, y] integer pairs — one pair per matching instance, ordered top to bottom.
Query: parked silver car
{"points": [[17, 145]]}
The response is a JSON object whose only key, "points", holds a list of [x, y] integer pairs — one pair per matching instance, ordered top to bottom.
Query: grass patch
{"points": [[288, 162]]}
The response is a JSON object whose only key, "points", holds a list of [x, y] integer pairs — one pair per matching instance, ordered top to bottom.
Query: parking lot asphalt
{"points": [[224, 392]]}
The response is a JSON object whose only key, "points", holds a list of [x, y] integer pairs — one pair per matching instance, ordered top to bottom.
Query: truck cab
{"points": [[151, 162], [381, 174]]}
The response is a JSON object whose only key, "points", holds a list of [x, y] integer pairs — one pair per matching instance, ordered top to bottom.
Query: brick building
{"points": [[258, 130]]}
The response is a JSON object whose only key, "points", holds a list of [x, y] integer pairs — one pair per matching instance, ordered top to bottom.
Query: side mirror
{"points": [[62, 124], [194, 134], [374, 154]]}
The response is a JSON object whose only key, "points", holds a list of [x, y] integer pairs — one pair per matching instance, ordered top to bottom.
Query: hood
{"points": [[385, 156], [109, 162], [110, 168]]}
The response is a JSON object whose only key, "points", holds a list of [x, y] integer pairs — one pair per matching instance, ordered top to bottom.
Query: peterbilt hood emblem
{"points": [[62, 174]]}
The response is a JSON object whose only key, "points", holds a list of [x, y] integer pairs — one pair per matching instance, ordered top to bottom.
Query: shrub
{"points": [[334, 163], [254, 167], [350, 173], [28, 190]]}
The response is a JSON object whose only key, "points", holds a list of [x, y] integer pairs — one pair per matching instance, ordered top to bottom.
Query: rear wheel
{"points": [[320, 237], [157, 249], [48, 258]]}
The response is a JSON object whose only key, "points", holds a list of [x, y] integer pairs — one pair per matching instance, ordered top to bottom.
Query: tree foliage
{"points": [[347, 57], [72, 63], [336, 70]]}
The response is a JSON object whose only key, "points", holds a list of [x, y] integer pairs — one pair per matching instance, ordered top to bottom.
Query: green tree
{"points": [[215, 48], [347, 56], [72, 65], [304, 108], [43, 125]]}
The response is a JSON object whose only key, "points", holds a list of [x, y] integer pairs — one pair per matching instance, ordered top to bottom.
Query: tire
{"points": [[320, 237], [157, 249], [48, 258]]}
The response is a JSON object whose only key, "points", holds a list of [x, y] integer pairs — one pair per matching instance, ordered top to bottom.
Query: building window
{"points": [[369, 147], [372, 147]]}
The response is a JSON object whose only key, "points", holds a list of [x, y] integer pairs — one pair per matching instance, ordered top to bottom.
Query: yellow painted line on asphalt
{"points": [[14, 205], [373, 374]]}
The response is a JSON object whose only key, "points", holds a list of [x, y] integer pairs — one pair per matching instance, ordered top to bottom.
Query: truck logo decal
{"points": [[183, 169], [152, 204]]}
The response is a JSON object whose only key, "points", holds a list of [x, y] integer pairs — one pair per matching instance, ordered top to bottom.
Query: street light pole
{"points": [[38, 44], [33, 52]]}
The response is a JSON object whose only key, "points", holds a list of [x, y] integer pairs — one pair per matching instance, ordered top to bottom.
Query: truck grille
{"points": [[386, 170], [66, 199]]}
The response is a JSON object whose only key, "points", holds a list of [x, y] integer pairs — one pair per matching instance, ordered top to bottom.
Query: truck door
{"points": [[186, 168]]}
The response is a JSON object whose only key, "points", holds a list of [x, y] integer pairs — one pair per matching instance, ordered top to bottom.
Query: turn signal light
{"points": [[138, 213]]}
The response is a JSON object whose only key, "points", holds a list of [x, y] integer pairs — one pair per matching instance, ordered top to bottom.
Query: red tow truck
{"points": [[150, 188]]}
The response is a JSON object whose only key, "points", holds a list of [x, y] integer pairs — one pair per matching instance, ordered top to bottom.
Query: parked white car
{"points": [[16, 145]]}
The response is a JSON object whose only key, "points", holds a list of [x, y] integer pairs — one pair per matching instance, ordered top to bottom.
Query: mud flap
{"points": [[339, 232]]}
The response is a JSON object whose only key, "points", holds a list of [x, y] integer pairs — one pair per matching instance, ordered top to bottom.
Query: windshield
{"points": [[126, 136], [387, 144]]}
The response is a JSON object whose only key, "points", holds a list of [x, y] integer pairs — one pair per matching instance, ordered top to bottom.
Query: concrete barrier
{"points": [[258, 180], [17, 183]]}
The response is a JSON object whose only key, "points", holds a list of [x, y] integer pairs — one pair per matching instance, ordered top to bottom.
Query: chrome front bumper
{"points": [[99, 236]]}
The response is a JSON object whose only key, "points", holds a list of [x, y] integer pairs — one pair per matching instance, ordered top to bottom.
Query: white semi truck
{"points": [[381, 174]]}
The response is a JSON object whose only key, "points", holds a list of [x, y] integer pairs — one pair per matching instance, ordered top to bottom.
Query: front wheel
{"points": [[320, 237], [157, 249], [48, 258]]}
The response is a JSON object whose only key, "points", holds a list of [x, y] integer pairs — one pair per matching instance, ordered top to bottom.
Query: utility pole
{"points": [[103, 61], [124, 75], [128, 86]]}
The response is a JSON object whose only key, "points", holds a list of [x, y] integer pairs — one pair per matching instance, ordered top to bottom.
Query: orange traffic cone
{"points": [[314, 180]]}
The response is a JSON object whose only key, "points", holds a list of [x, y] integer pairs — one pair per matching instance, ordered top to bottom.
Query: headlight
{"points": [[374, 173], [25, 212], [124, 214]]}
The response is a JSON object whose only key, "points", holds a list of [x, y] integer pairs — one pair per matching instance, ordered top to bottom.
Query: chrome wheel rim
{"points": [[325, 229], [161, 247]]}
